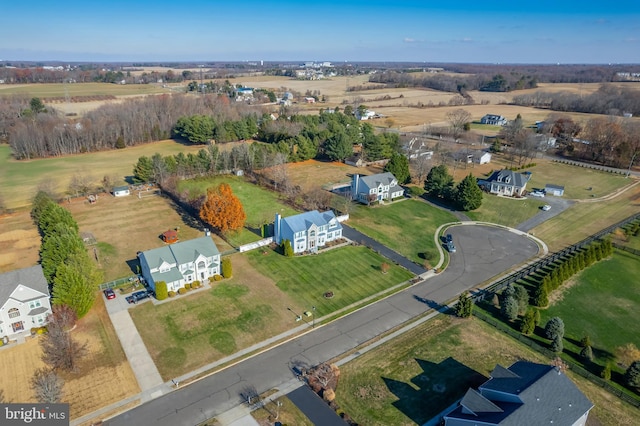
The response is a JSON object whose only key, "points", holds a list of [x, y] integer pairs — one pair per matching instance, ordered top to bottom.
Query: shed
{"points": [[556, 190], [121, 191], [170, 236]]}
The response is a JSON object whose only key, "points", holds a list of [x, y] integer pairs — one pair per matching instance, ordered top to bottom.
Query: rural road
{"points": [[482, 253]]}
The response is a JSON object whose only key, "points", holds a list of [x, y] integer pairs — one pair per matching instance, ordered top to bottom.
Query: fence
{"points": [[593, 166], [255, 245], [625, 248], [119, 281], [635, 401]]}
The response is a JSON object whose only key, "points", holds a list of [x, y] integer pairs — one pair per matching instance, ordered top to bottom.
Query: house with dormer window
{"points": [[506, 182], [378, 187], [307, 232], [180, 263], [24, 301]]}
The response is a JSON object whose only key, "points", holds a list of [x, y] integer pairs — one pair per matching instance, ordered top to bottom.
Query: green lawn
{"points": [[49, 90], [20, 179], [576, 180], [259, 204], [506, 211], [407, 227], [351, 273], [603, 304], [414, 377]]}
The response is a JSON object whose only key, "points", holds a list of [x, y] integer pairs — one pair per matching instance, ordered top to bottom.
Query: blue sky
{"points": [[349, 30]]}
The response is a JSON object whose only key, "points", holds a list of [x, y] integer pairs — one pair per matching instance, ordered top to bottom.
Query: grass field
{"points": [[51, 90], [20, 179], [576, 180], [259, 204], [505, 211], [585, 218], [407, 227], [351, 273], [602, 304], [104, 375], [417, 375]]}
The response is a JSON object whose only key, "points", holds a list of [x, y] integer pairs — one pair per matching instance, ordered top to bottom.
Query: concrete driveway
{"points": [[558, 205]]}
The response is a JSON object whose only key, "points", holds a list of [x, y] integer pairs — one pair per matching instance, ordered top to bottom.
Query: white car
{"points": [[537, 194], [546, 207]]}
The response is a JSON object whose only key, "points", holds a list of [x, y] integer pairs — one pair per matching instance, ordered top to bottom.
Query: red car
{"points": [[109, 294]]}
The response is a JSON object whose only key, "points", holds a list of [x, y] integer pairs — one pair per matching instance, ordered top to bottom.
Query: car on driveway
{"points": [[537, 194], [546, 207], [449, 238], [450, 247], [109, 294], [138, 296]]}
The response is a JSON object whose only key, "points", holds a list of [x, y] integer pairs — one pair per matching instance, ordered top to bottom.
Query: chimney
{"points": [[354, 189], [276, 229]]}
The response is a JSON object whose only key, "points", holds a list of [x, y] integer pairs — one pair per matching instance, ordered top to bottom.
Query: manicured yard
{"points": [[576, 180], [259, 204], [505, 211], [407, 227], [351, 273], [602, 304], [411, 379], [287, 413]]}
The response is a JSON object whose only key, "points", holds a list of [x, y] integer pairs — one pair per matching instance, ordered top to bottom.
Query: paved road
{"points": [[558, 205], [361, 238], [483, 252]]}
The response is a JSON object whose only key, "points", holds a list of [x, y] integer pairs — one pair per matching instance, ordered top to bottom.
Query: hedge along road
{"points": [[482, 253]]}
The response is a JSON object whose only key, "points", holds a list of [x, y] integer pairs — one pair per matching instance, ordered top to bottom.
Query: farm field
{"points": [[50, 90], [313, 174], [21, 178], [260, 205], [123, 226], [407, 227], [19, 242], [600, 303], [104, 375], [414, 377]]}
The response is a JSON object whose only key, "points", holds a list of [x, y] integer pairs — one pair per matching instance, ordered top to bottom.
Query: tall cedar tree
{"points": [[398, 166], [439, 182], [468, 194], [222, 209], [227, 269], [74, 284]]}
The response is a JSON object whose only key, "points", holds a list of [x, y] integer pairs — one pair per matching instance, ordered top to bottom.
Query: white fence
{"points": [[343, 217], [253, 246]]}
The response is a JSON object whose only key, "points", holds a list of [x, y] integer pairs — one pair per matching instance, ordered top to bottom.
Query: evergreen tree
{"points": [[338, 147], [398, 166], [143, 170], [439, 182], [468, 194], [38, 205], [57, 248], [287, 250], [227, 269], [74, 285], [161, 290], [522, 297], [541, 298], [464, 308], [509, 308], [536, 318], [528, 325], [554, 328], [556, 344], [587, 353], [606, 372], [632, 375]]}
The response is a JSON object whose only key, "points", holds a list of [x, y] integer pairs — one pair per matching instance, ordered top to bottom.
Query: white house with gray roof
{"points": [[506, 182], [378, 187], [307, 231], [180, 263], [24, 301], [523, 394]]}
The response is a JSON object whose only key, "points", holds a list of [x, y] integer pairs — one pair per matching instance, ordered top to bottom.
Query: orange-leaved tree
{"points": [[222, 209]]}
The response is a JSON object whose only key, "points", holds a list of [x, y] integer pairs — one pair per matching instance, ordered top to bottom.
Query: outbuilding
{"points": [[552, 189], [121, 191]]}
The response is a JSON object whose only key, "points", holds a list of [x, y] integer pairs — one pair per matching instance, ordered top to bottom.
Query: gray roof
{"points": [[515, 179], [373, 181], [551, 185], [120, 188], [302, 221], [180, 253], [32, 277], [37, 311], [547, 394], [475, 402]]}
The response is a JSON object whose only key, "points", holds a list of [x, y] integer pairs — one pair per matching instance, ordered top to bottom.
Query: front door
{"points": [[17, 326]]}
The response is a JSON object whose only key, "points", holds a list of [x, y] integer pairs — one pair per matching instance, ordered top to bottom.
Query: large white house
{"points": [[506, 182], [378, 187], [307, 231], [180, 263], [24, 301]]}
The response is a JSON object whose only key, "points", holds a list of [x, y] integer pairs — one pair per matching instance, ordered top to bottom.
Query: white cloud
{"points": [[412, 40]]}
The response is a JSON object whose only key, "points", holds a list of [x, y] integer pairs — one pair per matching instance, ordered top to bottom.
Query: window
{"points": [[202, 265], [34, 304], [14, 313]]}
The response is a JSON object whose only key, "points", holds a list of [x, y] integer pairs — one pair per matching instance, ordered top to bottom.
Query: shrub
{"points": [[416, 191], [287, 250], [385, 267], [227, 270], [217, 277], [212, 278], [196, 284], [187, 286], [161, 290], [182, 290], [170, 294], [528, 325], [554, 328], [41, 330], [556, 345], [587, 353], [606, 372], [632, 375]]}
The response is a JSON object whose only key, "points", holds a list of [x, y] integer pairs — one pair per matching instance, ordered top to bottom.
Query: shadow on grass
{"points": [[436, 388]]}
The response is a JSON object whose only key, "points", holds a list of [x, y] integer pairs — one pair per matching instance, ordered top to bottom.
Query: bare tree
{"points": [[457, 119], [420, 167], [59, 349], [47, 386]]}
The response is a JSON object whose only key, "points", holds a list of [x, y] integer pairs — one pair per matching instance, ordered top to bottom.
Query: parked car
{"points": [[537, 194], [546, 207], [449, 238], [450, 247], [109, 294], [138, 296]]}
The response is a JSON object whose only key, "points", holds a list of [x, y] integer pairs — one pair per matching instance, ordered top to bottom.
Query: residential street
{"points": [[482, 253]]}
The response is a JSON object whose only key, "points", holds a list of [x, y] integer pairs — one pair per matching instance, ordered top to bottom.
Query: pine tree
{"points": [[398, 166], [143, 170], [439, 182], [468, 194], [222, 209], [287, 250], [227, 269], [74, 285], [161, 290], [522, 297], [541, 298], [464, 308], [509, 308], [528, 325], [554, 328], [556, 345], [587, 353], [606, 372], [632, 375]]}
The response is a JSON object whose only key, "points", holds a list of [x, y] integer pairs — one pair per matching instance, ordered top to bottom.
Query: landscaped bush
{"points": [[227, 270], [217, 277], [196, 284], [187, 286], [161, 290], [182, 290], [172, 293]]}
